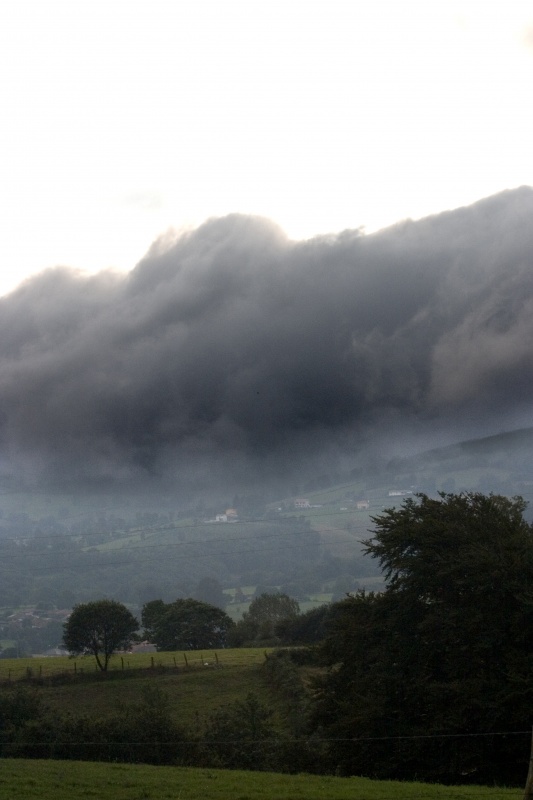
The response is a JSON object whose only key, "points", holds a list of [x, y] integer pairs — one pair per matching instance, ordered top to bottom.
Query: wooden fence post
{"points": [[528, 792]]}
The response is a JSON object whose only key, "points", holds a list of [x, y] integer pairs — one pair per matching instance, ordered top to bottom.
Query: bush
{"points": [[142, 732], [242, 736]]}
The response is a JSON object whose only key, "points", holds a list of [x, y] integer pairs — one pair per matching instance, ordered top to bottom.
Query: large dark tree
{"points": [[185, 624], [100, 629], [426, 676]]}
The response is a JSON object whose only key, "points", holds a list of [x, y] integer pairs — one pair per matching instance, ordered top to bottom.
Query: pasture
{"points": [[43, 667], [194, 687], [60, 780]]}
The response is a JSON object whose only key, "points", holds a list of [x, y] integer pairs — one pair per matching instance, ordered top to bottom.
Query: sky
{"points": [[125, 120], [209, 276]]}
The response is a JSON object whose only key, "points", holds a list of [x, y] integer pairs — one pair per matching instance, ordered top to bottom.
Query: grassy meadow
{"points": [[46, 667], [193, 691], [191, 697], [61, 780]]}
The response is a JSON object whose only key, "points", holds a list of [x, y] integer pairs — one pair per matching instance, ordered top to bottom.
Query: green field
{"points": [[43, 667], [192, 692], [191, 698], [61, 780]]}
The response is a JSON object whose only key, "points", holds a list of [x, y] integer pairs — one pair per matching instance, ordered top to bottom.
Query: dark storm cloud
{"points": [[233, 351]]}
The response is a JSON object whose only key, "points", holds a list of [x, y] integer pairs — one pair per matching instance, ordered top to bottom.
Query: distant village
{"points": [[232, 515], [36, 624]]}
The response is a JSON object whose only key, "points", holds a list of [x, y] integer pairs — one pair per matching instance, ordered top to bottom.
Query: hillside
{"points": [[56, 552]]}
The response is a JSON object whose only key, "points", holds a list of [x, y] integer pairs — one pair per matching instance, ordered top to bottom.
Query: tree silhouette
{"points": [[99, 628]]}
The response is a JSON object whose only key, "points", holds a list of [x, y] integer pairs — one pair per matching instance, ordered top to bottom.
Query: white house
{"points": [[302, 502]]}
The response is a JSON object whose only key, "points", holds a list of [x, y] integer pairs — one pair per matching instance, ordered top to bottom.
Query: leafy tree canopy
{"points": [[454, 546], [270, 608], [150, 615], [259, 623], [185, 624], [99, 628], [308, 628], [444, 651]]}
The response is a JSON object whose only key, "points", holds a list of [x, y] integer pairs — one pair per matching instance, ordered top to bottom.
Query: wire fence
{"points": [[57, 667]]}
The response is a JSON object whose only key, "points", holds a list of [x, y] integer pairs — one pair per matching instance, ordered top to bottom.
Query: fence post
{"points": [[186, 662], [528, 792]]}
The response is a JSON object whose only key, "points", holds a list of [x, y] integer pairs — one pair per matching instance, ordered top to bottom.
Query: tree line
{"points": [[103, 627]]}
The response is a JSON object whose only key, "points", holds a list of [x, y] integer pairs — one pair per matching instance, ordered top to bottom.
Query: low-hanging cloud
{"points": [[233, 353]]}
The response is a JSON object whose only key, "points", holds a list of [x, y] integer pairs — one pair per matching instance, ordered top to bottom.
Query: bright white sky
{"points": [[122, 118]]}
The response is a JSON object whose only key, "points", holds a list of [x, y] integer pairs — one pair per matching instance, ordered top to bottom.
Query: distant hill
{"points": [[500, 444], [502, 464], [62, 550]]}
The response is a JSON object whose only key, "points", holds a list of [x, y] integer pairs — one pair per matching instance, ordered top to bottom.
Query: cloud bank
{"points": [[232, 354]]}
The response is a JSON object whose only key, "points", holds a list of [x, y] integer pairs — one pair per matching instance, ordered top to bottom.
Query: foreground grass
{"points": [[62, 780]]}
